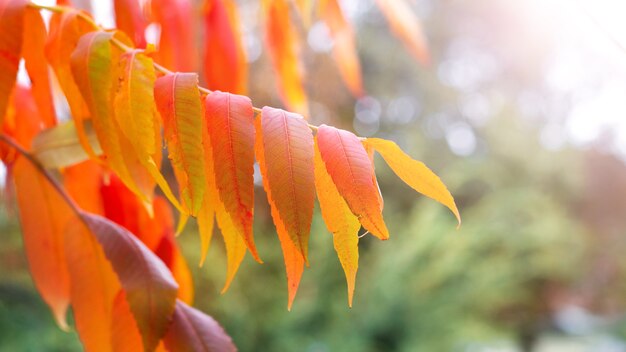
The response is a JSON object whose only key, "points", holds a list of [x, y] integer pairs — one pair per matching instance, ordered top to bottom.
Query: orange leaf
{"points": [[130, 19], [406, 26], [11, 28], [66, 28], [282, 43], [177, 47], [33, 49], [344, 49], [225, 66], [178, 101], [230, 122], [286, 141], [370, 152], [350, 167], [414, 173], [82, 182], [206, 214], [44, 216], [340, 222], [293, 256], [93, 287], [150, 288], [192, 330], [125, 335]]}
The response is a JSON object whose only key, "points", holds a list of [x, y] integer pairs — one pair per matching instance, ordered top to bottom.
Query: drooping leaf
{"points": [[129, 18], [406, 26], [66, 29], [11, 32], [282, 43], [177, 47], [344, 48], [33, 49], [225, 66], [95, 73], [178, 101], [136, 114], [23, 121], [230, 122], [59, 147], [370, 152], [286, 154], [350, 167], [414, 173], [83, 182], [206, 215], [44, 216], [339, 221], [233, 241], [292, 254], [93, 287], [150, 288], [193, 331], [125, 335]]}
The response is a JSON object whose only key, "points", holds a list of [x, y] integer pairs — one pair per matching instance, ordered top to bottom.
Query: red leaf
{"points": [[129, 18], [11, 28], [177, 47], [225, 66], [230, 122], [351, 169], [151, 290], [193, 331]]}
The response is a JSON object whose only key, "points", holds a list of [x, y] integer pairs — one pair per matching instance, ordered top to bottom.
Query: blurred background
{"points": [[522, 112]]}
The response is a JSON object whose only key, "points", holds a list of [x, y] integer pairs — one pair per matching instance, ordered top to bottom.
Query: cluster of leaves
{"points": [[104, 243]]}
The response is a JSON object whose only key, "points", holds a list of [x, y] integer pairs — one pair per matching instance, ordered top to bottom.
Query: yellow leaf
{"points": [[414, 173], [340, 222]]}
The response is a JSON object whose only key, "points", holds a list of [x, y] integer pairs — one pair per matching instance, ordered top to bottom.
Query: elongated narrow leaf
{"points": [[129, 18], [406, 26], [66, 29], [11, 32], [282, 43], [177, 47], [344, 49], [33, 50], [225, 66], [95, 74], [178, 101], [136, 114], [23, 121], [230, 122], [59, 147], [370, 152], [286, 154], [350, 167], [414, 173], [206, 215], [44, 216], [339, 221], [233, 241], [292, 254], [94, 286], [150, 288], [193, 331], [125, 335]]}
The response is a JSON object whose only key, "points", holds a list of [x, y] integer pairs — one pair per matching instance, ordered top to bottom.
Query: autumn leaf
{"points": [[129, 18], [406, 26], [66, 29], [11, 32], [282, 43], [177, 47], [344, 48], [33, 49], [225, 66], [178, 101], [136, 114], [230, 122], [286, 141], [59, 146], [351, 170], [414, 173], [83, 182], [206, 215], [44, 216], [339, 221], [233, 241], [93, 287], [150, 288], [193, 331], [125, 335]]}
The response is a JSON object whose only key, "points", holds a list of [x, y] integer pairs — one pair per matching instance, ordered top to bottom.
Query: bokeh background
{"points": [[522, 112]]}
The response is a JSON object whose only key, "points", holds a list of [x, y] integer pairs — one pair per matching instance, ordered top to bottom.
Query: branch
{"points": [[125, 48]]}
